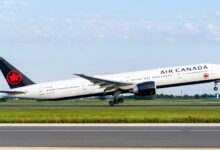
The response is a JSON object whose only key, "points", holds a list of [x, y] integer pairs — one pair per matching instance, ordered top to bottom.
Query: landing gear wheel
{"points": [[215, 88], [121, 100], [116, 102], [111, 103]]}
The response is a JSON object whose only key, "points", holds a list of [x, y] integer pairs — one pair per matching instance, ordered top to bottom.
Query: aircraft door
{"points": [[84, 86], [42, 91]]}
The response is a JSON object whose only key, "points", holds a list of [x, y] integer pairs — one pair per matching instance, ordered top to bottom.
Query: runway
{"points": [[96, 107], [139, 136]]}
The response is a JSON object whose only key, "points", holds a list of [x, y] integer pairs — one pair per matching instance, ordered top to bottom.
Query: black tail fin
{"points": [[13, 76]]}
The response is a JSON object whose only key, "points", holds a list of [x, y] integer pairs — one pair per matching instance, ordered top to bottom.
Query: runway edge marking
{"points": [[53, 148]]}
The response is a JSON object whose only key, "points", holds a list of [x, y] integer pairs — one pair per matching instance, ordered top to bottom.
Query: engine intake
{"points": [[145, 89]]}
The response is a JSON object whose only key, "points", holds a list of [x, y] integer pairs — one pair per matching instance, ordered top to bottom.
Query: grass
{"points": [[95, 102], [109, 115]]}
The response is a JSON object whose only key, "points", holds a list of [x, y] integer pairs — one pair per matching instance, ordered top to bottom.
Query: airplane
{"points": [[140, 83]]}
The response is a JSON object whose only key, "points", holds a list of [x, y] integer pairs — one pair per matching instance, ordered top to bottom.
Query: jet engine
{"points": [[145, 89]]}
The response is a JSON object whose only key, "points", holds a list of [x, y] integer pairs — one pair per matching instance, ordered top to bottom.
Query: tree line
{"points": [[164, 96]]}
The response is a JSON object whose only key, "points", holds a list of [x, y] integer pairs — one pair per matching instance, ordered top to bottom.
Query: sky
{"points": [[50, 40]]}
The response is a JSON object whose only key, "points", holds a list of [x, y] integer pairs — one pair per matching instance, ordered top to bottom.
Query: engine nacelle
{"points": [[145, 89]]}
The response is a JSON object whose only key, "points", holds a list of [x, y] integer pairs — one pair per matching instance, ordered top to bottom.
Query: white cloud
{"points": [[7, 3], [14, 3], [23, 3], [218, 14], [180, 17], [7, 19], [69, 21], [88, 27], [191, 27], [213, 29], [170, 39]]}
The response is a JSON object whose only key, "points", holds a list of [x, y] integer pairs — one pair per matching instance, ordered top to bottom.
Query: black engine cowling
{"points": [[145, 89]]}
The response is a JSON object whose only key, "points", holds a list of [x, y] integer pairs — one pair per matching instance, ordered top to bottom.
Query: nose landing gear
{"points": [[215, 86], [216, 90]]}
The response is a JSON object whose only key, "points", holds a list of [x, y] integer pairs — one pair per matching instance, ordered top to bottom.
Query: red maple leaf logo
{"points": [[206, 76], [14, 77]]}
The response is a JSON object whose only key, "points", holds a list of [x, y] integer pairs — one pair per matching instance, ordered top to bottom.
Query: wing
{"points": [[107, 84]]}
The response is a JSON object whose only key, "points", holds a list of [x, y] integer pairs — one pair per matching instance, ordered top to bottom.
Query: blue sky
{"points": [[50, 40]]}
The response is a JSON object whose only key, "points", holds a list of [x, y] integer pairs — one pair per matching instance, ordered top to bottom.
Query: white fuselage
{"points": [[165, 77]]}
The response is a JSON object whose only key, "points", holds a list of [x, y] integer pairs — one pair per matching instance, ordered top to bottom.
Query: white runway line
{"points": [[93, 130], [109, 130], [35, 148]]}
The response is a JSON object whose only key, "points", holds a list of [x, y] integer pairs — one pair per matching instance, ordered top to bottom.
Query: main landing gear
{"points": [[216, 86], [117, 100]]}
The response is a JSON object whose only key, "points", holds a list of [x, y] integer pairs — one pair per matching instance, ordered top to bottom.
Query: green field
{"points": [[92, 102], [109, 115]]}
